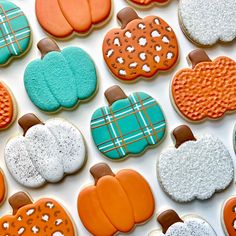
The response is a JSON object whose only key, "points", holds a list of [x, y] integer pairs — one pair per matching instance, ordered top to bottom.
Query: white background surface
{"points": [[67, 191]]}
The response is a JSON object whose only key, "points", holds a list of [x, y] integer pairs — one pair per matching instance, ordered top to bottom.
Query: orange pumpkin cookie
{"points": [[61, 18], [141, 48], [206, 91], [7, 107], [2, 187], [115, 203], [229, 216], [42, 218]]}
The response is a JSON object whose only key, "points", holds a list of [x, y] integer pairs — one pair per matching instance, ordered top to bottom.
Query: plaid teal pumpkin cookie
{"points": [[15, 32], [129, 125]]}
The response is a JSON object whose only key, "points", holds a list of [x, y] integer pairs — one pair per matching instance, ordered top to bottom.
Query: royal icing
{"points": [[148, 2], [71, 16], [206, 22], [15, 31], [141, 48], [61, 78], [206, 91], [7, 109], [129, 125], [234, 139], [46, 152], [194, 169], [2, 187], [120, 201], [44, 217], [189, 225]]}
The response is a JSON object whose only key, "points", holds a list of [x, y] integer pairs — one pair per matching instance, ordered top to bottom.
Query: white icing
{"points": [[157, 21], [207, 21], [141, 26], [168, 29], [128, 34], [155, 34], [165, 39], [142, 41], [117, 42], [158, 48], [130, 49], [110, 53], [169, 55], [142, 56], [157, 59], [120, 60], [133, 65], [146, 68], [122, 72], [197, 169], [50, 205], [30, 212], [19, 218], [45, 218], [58, 222], [234, 224], [5, 225], [35, 229], [21, 230], [58, 234]]}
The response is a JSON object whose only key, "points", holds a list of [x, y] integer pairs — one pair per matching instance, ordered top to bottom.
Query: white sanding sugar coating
{"points": [[208, 21], [46, 153], [196, 170], [192, 226]]}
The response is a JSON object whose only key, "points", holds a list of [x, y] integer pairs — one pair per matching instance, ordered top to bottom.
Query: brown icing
{"points": [[47, 45], [197, 56], [114, 94], [27, 121], [183, 134], [168, 218]]}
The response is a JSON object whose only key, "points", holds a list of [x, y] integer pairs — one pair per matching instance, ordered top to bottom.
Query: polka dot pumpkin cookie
{"points": [[141, 48], [2, 187], [44, 217]]}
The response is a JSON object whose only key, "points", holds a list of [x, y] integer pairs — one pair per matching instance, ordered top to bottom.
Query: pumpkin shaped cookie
{"points": [[61, 18], [15, 32], [141, 48], [61, 79], [208, 90], [8, 110], [129, 125], [46, 151], [194, 168], [2, 187], [116, 202], [44, 217], [173, 225]]}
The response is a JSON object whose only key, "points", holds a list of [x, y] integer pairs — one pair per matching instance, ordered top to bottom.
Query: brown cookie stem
{"points": [[127, 15], [47, 45], [197, 56], [114, 94], [27, 121], [183, 134], [100, 170], [19, 200], [168, 218]]}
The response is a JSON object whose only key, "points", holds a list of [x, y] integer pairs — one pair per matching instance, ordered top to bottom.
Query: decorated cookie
{"points": [[148, 2], [68, 17], [206, 22], [15, 33], [141, 48], [61, 78], [208, 90], [7, 107], [129, 125], [234, 138], [46, 151], [194, 168], [2, 187], [120, 201], [229, 216], [44, 217], [189, 225]]}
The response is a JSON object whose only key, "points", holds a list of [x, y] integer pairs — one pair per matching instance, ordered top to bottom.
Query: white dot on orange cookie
{"points": [[157, 21], [141, 26], [128, 34], [155, 34], [165, 39], [142, 41], [116, 42], [158, 48], [130, 49], [110, 52], [169, 55], [142, 56], [157, 59], [120, 60], [133, 65], [146, 68], [122, 72], [50, 205], [30, 212], [45, 217], [58, 222], [5, 225], [35, 229], [21, 230], [58, 234]]}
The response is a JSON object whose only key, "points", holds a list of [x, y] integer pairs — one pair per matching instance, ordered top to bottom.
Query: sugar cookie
{"points": [[144, 3], [61, 18], [206, 22], [15, 34], [141, 48], [61, 79], [208, 91], [8, 108], [129, 125], [46, 152], [194, 168], [2, 187], [120, 201], [44, 217], [189, 225]]}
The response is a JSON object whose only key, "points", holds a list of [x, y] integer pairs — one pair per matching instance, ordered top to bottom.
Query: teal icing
{"points": [[61, 79]]}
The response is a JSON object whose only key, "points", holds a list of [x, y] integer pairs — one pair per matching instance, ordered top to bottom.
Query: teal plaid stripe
{"points": [[14, 29], [129, 126]]}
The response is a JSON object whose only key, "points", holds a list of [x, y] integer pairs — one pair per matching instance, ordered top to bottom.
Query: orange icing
{"points": [[61, 18], [128, 60], [207, 91], [6, 107], [2, 187], [116, 203], [229, 216], [45, 217]]}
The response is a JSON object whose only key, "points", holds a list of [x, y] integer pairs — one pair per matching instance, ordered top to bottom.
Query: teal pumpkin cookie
{"points": [[15, 32], [60, 79], [129, 125]]}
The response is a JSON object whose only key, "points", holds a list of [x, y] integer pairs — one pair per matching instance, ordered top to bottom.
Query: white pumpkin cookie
{"points": [[46, 152]]}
